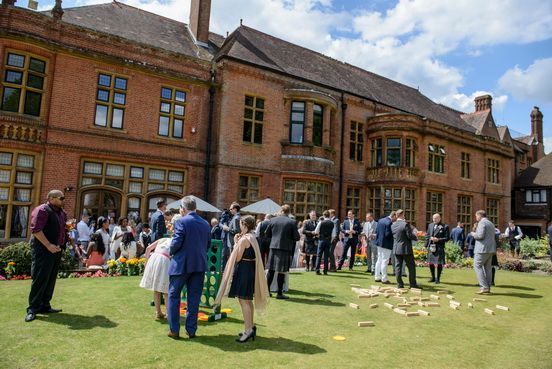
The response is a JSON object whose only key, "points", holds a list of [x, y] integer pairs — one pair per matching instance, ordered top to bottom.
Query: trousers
{"points": [[194, 287]]}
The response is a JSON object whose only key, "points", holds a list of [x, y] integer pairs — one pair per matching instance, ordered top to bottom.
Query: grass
{"points": [[108, 323]]}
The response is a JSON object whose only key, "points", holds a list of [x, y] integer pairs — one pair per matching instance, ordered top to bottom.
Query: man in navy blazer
{"points": [[157, 221], [351, 228], [192, 237], [384, 242]]}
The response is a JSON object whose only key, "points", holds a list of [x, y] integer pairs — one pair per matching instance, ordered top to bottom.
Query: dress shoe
{"points": [[338, 268], [318, 272], [325, 272], [377, 280], [431, 280], [437, 281], [385, 282], [400, 286], [415, 286], [282, 297], [51, 311], [30, 317], [191, 335], [174, 336], [246, 336]]}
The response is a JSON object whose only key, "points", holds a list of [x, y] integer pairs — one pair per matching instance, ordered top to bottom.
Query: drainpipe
{"points": [[207, 174], [340, 196]]}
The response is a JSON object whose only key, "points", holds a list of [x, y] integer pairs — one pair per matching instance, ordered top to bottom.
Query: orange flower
{"points": [[123, 260], [12, 263]]}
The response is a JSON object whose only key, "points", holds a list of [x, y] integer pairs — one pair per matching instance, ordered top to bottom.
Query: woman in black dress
{"points": [[248, 278]]}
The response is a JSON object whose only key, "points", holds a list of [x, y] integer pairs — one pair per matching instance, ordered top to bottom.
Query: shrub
{"points": [[531, 247], [420, 251], [453, 253], [20, 254], [68, 262], [467, 263], [511, 264], [546, 266]]}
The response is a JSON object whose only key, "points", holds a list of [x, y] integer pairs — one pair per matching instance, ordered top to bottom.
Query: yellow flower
{"points": [[12, 263]]}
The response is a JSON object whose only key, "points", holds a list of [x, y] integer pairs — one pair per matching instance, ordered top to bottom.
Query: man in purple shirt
{"points": [[48, 239]]}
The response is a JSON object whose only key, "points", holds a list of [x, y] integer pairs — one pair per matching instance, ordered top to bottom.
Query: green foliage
{"points": [[532, 247], [420, 251], [453, 253], [20, 254], [67, 261], [467, 263]]}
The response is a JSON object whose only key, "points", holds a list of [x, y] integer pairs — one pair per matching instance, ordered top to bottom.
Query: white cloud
{"points": [[405, 43], [533, 83], [466, 103], [548, 145]]}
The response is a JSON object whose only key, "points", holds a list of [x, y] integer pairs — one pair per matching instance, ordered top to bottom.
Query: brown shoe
{"points": [[483, 292], [174, 336]]}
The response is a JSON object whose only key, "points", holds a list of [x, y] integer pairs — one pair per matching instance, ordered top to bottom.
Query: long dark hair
{"points": [[128, 237], [98, 243]]}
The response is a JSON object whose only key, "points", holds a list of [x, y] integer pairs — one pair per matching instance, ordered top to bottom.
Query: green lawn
{"points": [[108, 323]]}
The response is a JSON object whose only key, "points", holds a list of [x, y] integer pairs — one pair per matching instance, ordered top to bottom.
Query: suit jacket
{"points": [[234, 227], [356, 227], [308, 228], [158, 229], [439, 230], [335, 231], [283, 233], [384, 235], [457, 235], [402, 237], [484, 237], [192, 238]]}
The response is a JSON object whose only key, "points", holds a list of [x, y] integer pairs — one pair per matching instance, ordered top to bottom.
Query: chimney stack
{"points": [[8, 2], [57, 11], [200, 13], [484, 102], [536, 132]]}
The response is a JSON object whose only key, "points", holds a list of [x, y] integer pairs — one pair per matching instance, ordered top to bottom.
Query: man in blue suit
{"points": [[157, 221], [351, 228], [192, 237], [384, 242]]}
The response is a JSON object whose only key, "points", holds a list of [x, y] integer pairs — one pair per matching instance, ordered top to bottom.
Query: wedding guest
{"points": [[157, 221], [112, 225], [216, 229], [351, 229], [324, 230], [103, 231], [84, 232], [369, 234], [117, 235], [283, 235], [437, 235], [514, 235], [403, 236], [144, 239], [192, 239], [335, 239], [47, 241], [470, 241], [264, 242], [384, 242], [310, 244], [127, 247], [485, 248], [96, 251], [156, 273], [249, 283]]}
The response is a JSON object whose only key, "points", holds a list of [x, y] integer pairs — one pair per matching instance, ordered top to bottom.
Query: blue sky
{"points": [[452, 50]]}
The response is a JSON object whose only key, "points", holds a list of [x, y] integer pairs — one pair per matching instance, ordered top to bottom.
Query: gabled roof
{"points": [[138, 25], [260, 49], [483, 123], [527, 140], [539, 174]]}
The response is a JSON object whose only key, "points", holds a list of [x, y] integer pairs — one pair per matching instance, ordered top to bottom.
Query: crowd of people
{"points": [[254, 252]]}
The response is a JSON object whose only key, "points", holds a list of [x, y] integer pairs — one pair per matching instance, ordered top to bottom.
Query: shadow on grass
{"points": [[515, 287], [304, 293], [518, 294], [321, 301], [78, 322], [227, 342]]}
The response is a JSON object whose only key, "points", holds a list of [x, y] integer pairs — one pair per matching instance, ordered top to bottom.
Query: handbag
{"points": [[433, 247]]}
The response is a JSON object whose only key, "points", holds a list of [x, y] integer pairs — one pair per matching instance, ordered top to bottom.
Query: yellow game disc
{"points": [[226, 311], [203, 318], [339, 338]]}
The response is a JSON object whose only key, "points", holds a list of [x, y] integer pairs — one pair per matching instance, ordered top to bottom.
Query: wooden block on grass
{"points": [[354, 285], [375, 288], [416, 291], [442, 292], [366, 296], [435, 297], [450, 297], [415, 298], [425, 298], [475, 299], [412, 303], [421, 303], [455, 303], [432, 304], [388, 305], [403, 305], [470, 305], [354, 306], [373, 306], [455, 307], [506, 308], [399, 311], [489, 311], [423, 312], [412, 313], [366, 324]]}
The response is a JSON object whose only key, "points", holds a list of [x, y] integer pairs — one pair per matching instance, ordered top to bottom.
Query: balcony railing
{"points": [[21, 132], [392, 173]]}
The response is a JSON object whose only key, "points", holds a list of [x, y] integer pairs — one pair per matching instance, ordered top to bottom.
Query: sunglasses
{"points": [[61, 198]]}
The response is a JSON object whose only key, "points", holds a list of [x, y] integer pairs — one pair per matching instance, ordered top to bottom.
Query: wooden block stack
{"points": [[435, 297]]}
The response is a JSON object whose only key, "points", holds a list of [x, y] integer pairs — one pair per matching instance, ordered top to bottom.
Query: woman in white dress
{"points": [[117, 236], [156, 273]]}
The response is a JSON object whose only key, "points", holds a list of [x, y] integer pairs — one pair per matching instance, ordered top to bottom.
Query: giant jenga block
{"points": [[354, 285], [435, 297], [450, 297], [475, 299], [432, 304], [388, 305], [470, 305], [354, 306], [373, 306], [506, 308], [399, 311], [489, 311], [423, 312], [412, 313], [366, 324]]}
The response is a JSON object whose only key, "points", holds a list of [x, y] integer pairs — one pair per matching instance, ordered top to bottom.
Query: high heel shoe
{"points": [[242, 333], [251, 335]]}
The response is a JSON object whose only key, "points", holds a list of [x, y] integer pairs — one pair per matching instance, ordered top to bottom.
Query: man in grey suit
{"points": [[283, 234], [402, 248], [485, 248]]}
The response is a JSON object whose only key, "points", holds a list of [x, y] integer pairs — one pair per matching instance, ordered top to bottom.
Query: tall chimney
{"points": [[200, 13], [484, 102], [536, 132]]}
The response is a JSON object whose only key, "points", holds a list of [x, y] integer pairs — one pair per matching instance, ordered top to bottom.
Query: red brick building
{"points": [[119, 119]]}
